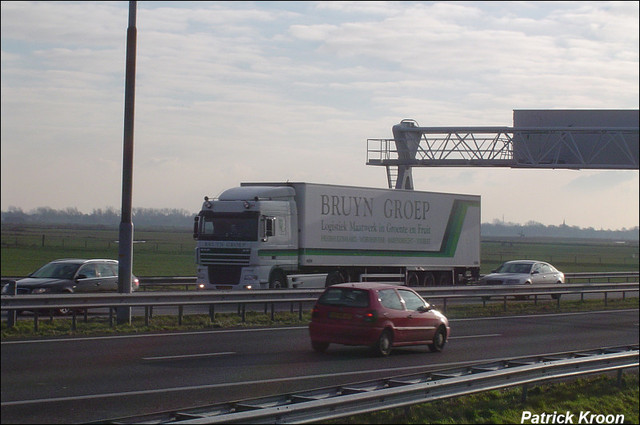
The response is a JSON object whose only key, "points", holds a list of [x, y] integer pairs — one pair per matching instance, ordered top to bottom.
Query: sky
{"points": [[228, 92]]}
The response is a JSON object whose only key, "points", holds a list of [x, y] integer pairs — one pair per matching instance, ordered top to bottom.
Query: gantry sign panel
{"points": [[565, 139]]}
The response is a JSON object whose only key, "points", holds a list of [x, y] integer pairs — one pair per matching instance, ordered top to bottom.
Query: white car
{"points": [[523, 272]]}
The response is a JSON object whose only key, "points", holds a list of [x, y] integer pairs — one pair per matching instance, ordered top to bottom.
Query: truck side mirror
{"points": [[196, 220]]}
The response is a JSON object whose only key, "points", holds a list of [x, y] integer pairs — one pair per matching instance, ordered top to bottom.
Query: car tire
{"points": [[439, 340], [319, 347], [382, 347]]}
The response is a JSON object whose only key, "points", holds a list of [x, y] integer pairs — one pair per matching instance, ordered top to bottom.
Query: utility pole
{"points": [[125, 249]]}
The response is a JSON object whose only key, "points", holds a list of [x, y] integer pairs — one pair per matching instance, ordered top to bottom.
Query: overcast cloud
{"points": [[273, 91]]}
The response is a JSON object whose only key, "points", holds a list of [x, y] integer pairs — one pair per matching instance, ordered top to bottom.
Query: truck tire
{"points": [[334, 278], [413, 279], [429, 279], [444, 279], [277, 280]]}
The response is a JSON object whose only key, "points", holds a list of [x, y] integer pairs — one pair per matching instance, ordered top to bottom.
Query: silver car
{"points": [[523, 272], [72, 275]]}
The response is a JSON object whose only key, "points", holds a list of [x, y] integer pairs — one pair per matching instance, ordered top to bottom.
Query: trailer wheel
{"points": [[413, 279], [429, 279], [444, 279], [277, 280]]}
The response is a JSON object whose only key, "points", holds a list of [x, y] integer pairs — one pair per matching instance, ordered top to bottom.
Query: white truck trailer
{"points": [[256, 235]]}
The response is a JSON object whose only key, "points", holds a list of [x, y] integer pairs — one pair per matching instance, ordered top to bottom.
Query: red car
{"points": [[378, 315]]}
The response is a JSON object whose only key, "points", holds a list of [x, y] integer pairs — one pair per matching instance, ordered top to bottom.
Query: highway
{"points": [[80, 379]]}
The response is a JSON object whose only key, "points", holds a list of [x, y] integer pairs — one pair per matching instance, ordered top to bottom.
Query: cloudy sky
{"points": [[274, 91]]}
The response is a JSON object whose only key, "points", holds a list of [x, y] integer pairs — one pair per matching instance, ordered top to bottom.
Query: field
{"points": [[170, 252]]}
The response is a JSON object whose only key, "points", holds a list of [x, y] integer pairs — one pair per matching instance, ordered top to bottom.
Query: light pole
{"points": [[125, 249]]}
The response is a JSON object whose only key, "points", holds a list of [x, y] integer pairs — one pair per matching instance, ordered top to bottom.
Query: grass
{"points": [[600, 395]]}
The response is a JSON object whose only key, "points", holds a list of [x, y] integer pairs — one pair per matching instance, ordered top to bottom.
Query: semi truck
{"points": [[269, 235]]}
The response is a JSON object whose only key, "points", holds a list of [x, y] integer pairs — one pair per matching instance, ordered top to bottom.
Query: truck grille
{"points": [[225, 256], [224, 275]]}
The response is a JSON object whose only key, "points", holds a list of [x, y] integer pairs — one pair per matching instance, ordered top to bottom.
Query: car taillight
{"points": [[136, 283], [370, 316]]}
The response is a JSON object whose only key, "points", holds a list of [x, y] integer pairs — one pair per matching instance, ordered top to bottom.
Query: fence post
{"points": [[12, 315], [73, 320]]}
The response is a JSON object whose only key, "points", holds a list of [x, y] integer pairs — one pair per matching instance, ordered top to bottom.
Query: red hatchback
{"points": [[378, 315]]}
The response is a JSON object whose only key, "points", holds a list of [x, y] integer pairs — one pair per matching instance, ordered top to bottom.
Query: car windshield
{"points": [[514, 268], [56, 271], [347, 297]]}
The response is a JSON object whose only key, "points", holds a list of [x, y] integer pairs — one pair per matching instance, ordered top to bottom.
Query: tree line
{"points": [[183, 219]]}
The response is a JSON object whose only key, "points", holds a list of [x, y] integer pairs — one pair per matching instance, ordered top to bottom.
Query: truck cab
{"points": [[247, 238]]}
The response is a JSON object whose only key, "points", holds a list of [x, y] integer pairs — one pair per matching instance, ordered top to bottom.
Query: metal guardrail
{"points": [[570, 277], [190, 281], [141, 299], [180, 299], [364, 397]]}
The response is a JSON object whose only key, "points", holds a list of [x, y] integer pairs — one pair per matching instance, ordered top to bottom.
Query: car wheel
{"points": [[439, 339], [383, 346], [319, 347]]}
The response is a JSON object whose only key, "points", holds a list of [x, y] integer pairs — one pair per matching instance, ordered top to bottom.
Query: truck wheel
{"points": [[333, 278], [413, 279], [429, 279], [444, 279], [277, 280]]}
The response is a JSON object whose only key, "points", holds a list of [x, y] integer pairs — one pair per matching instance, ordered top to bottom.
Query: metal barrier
{"points": [[189, 282], [212, 299], [364, 397]]}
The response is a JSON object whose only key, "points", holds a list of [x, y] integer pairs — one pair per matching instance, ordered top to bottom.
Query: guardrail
{"points": [[190, 281], [50, 302], [364, 397]]}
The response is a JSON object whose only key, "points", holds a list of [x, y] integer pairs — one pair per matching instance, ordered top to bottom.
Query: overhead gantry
{"points": [[613, 145]]}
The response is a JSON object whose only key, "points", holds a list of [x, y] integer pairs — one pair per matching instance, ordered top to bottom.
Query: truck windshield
{"points": [[228, 226]]}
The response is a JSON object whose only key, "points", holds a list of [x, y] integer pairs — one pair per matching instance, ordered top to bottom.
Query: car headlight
{"points": [[40, 290]]}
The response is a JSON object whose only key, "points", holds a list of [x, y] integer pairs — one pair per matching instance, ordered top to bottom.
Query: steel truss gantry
{"points": [[515, 147]]}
